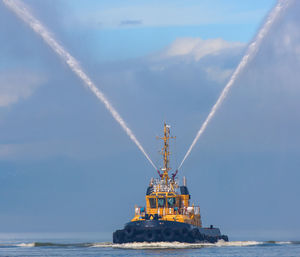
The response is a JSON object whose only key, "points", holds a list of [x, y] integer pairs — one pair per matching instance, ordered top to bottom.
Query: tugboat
{"points": [[168, 215]]}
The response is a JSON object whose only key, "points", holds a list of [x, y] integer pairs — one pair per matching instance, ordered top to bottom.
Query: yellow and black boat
{"points": [[168, 215]]}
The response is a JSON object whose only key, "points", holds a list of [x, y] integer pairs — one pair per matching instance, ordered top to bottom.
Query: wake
{"points": [[154, 245], [178, 245]]}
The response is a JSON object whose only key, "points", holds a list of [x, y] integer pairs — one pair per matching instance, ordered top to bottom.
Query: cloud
{"points": [[170, 14], [131, 22], [199, 48], [203, 61], [217, 74], [16, 85], [179, 86], [264, 102], [6, 150], [31, 150], [250, 151]]}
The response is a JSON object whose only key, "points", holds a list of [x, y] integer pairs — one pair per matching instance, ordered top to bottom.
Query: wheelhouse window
{"points": [[152, 202], [161, 202], [171, 202]]}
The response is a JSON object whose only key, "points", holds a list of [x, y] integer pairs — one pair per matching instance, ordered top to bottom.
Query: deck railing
{"points": [[191, 210]]}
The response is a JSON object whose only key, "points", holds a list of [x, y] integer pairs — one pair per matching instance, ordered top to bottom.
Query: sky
{"points": [[67, 166]]}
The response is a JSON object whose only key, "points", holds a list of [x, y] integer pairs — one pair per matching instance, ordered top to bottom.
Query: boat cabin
{"points": [[165, 199]]}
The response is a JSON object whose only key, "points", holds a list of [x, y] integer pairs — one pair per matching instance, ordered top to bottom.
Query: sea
{"points": [[93, 244]]}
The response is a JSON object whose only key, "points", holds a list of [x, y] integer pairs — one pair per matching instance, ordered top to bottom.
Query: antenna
{"points": [[166, 153]]}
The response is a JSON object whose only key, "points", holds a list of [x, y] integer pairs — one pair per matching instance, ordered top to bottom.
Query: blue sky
{"points": [[131, 29], [61, 152]]}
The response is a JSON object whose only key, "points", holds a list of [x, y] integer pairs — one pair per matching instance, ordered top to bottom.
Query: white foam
{"points": [[283, 242], [238, 243], [26, 245], [102, 245], [160, 245], [176, 245]]}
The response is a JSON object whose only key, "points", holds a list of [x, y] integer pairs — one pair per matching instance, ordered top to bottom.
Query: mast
{"points": [[166, 153]]}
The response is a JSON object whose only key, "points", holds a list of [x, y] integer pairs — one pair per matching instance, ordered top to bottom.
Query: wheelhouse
{"points": [[165, 199]]}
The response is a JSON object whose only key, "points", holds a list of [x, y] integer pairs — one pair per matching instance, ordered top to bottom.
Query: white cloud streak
{"points": [[22, 12], [199, 48], [251, 51], [16, 85]]}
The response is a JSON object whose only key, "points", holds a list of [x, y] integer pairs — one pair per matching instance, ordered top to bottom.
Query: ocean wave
{"points": [[283, 242], [47, 244], [50, 244], [25, 245]]}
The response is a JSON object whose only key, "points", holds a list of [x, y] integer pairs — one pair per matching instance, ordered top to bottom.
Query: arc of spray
{"points": [[22, 12], [251, 51]]}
